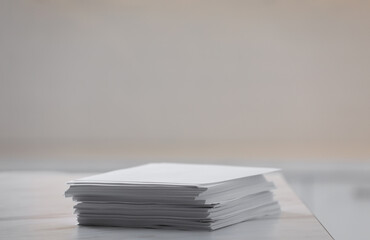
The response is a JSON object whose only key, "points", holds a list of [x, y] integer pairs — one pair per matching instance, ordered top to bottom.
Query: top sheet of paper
{"points": [[176, 174]]}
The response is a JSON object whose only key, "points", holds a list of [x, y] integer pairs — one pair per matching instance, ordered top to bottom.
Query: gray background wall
{"points": [[80, 71]]}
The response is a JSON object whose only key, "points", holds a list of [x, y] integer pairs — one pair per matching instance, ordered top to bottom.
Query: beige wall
{"points": [[163, 70]]}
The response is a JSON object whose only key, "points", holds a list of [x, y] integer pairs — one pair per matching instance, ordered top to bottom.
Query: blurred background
{"points": [[92, 85]]}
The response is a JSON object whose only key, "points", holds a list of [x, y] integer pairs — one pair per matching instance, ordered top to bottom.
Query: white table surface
{"points": [[33, 206]]}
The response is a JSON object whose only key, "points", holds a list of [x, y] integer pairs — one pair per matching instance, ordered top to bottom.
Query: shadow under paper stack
{"points": [[174, 196]]}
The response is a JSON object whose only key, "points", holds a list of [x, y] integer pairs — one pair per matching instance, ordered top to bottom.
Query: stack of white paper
{"points": [[177, 196]]}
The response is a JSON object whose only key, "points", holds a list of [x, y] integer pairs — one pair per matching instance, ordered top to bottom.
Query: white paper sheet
{"points": [[176, 174]]}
